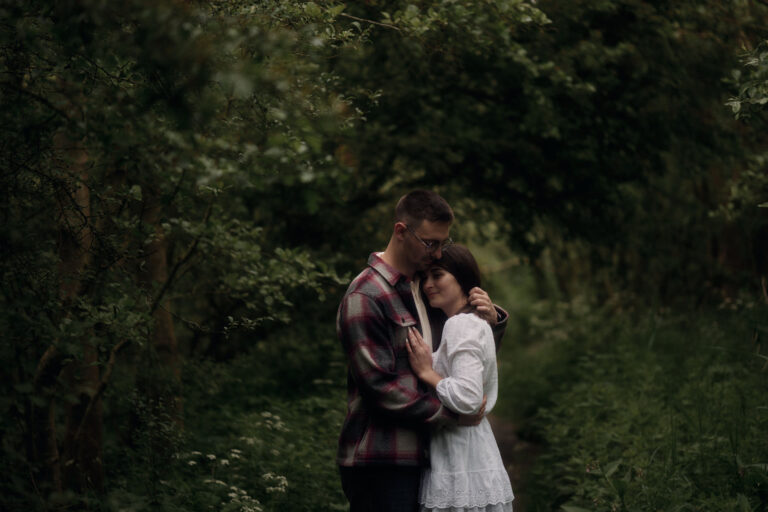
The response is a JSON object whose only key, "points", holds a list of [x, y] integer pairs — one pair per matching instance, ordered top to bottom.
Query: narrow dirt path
{"points": [[518, 456]]}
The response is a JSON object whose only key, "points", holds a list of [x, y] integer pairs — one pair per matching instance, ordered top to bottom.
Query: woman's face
{"points": [[443, 291]]}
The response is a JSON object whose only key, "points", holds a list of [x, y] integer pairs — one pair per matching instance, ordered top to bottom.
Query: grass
{"points": [[633, 410], [647, 413], [252, 441]]}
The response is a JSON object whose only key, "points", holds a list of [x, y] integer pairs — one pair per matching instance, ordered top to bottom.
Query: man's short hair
{"points": [[420, 205]]}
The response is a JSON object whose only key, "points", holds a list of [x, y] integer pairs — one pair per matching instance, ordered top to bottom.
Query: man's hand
{"points": [[483, 305], [469, 420]]}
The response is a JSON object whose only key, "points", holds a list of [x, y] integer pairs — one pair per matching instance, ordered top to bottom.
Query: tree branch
{"points": [[386, 25], [38, 98], [187, 255], [49, 367], [100, 390]]}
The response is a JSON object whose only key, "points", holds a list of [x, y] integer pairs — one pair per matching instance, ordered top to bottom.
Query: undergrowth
{"points": [[633, 410], [639, 411], [251, 440]]}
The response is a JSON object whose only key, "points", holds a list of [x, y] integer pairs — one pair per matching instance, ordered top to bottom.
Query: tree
{"points": [[133, 136]]}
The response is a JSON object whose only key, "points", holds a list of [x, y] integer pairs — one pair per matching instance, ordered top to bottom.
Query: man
{"points": [[385, 438]]}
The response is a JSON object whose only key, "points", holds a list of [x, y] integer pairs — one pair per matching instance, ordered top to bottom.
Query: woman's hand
{"points": [[484, 308], [419, 354], [420, 357]]}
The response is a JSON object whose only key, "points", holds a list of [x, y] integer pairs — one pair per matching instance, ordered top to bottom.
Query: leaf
{"points": [[312, 9], [336, 10], [135, 192], [763, 205], [24, 387], [611, 467], [744, 503], [573, 508]]}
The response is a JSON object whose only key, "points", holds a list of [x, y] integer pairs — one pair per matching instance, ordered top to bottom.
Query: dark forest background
{"points": [[187, 187]]}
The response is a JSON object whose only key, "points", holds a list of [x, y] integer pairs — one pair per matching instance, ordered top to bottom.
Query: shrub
{"points": [[668, 413]]}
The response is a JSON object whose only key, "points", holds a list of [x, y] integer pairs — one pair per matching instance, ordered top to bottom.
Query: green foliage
{"points": [[753, 83], [456, 91], [187, 108], [178, 120], [571, 121], [652, 141], [256, 149], [749, 188], [745, 194], [537, 353], [663, 414], [254, 440]]}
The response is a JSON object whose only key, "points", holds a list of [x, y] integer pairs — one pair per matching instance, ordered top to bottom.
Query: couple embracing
{"points": [[420, 338]]}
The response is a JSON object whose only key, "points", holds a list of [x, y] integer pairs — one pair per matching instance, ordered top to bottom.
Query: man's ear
{"points": [[400, 230]]}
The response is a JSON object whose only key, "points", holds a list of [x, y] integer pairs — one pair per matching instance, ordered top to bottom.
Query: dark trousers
{"points": [[381, 489]]}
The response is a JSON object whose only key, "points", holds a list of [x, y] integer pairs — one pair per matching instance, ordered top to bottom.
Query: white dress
{"points": [[466, 471]]}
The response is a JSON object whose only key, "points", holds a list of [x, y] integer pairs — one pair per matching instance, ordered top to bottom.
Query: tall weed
{"points": [[649, 412], [252, 440]]}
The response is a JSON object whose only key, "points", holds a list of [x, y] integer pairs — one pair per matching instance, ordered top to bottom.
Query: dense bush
{"points": [[648, 411], [253, 441]]}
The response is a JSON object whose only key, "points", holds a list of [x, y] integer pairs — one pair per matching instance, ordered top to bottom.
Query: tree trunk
{"points": [[155, 276], [82, 447], [44, 449]]}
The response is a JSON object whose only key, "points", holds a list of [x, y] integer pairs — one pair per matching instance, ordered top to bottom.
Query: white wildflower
{"points": [[279, 482]]}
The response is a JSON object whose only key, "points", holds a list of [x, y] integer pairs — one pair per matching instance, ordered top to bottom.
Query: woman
{"points": [[466, 471]]}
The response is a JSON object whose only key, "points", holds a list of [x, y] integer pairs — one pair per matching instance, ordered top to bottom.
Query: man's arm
{"points": [[363, 331], [420, 356]]}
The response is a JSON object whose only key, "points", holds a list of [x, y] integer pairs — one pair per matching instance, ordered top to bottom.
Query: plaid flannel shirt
{"points": [[388, 410]]}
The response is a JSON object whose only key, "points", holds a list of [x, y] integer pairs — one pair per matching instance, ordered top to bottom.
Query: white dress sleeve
{"points": [[462, 389]]}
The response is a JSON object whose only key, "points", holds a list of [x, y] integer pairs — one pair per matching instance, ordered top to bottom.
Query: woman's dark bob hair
{"points": [[457, 260]]}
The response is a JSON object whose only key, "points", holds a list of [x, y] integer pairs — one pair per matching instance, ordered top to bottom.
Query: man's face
{"points": [[429, 232]]}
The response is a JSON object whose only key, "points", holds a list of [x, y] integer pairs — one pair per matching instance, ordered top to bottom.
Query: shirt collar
{"points": [[387, 271]]}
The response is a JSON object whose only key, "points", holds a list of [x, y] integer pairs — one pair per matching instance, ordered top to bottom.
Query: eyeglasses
{"points": [[432, 245]]}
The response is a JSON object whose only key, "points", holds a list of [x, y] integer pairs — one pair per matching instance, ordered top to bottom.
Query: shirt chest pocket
{"points": [[399, 325]]}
